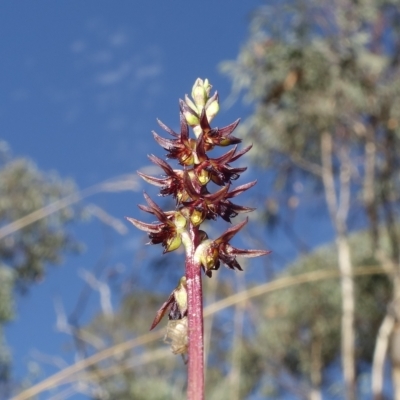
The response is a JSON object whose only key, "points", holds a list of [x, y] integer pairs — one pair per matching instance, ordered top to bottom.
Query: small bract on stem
{"points": [[195, 204]]}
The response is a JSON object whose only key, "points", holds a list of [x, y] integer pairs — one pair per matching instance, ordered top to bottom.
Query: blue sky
{"points": [[88, 78], [82, 83]]}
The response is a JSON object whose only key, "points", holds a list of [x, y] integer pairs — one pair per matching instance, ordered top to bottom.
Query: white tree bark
{"points": [[338, 206], [348, 307], [395, 337], [378, 363], [316, 371]]}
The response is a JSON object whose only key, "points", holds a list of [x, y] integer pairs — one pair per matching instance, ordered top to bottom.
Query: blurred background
{"points": [[317, 87]]}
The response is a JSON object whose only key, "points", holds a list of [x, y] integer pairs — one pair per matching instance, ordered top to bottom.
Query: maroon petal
{"points": [[205, 126], [184, 128], [167, 129], [227, 130], [167, 144], [200, 150], [240, 153], [225, 158], [161, 163], [235, 171], [152, 180], [240, 189], [191, 191], [217, 196], [146, 209], [240, 209], [159, 213], [143, 226], [231, 232], [245, 253], [230, 262], [162, 310]]}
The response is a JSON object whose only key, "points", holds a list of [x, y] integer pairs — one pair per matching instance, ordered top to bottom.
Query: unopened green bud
{"points": [[207, 87], [200, 93], [190, 103], [212, 107], [212, 110], [189, 111], [191, 118], [226, 141], [197, 217], [179, 220], [173, 243], [180, 294]]}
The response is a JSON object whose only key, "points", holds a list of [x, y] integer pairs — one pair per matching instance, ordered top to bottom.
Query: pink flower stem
{"points": [[195, 389]]}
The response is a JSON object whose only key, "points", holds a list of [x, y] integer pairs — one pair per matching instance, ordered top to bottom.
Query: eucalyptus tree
{"points": [[325, 80]]}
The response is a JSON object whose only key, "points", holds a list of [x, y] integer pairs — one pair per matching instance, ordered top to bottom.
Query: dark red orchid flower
{"points": [[212, 136], [218, 136], [182, 148], [218, 169], [171, 183], [217, 204], [167, 231], [212, 253]]}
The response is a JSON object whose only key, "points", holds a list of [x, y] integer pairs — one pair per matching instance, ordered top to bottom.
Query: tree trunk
{"points": [[387, 178], [338, 206], [348, 334], [395, 338], [237, 345], [381, 349], [316, 370], [315, 394]]}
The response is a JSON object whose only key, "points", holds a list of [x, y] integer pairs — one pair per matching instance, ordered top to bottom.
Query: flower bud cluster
{"points": [[188, 185]]}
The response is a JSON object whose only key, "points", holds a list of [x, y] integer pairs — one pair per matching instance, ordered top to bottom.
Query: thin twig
{"points": [[122, 183], [107, 219]]}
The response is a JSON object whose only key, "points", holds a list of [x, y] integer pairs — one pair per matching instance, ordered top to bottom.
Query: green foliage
{"points": [[310, 68], [24, 189], [7, 279], [299, 327]]}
